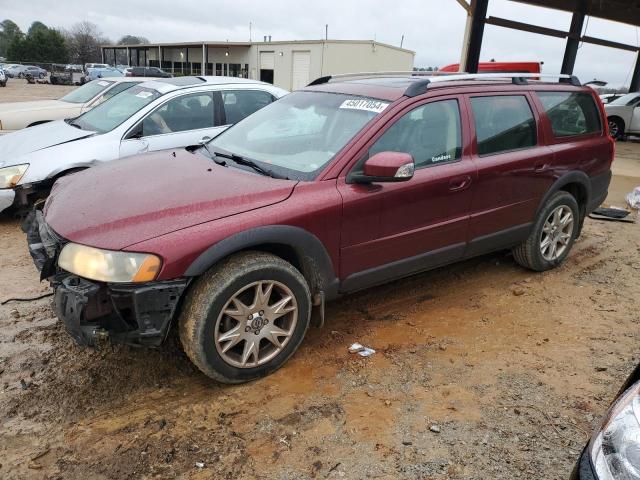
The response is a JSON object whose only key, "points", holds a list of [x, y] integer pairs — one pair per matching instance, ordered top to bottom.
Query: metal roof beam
{"points": [[503, 22]]}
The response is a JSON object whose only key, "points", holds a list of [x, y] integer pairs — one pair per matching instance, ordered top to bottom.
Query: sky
{"points": [[432, 28]]}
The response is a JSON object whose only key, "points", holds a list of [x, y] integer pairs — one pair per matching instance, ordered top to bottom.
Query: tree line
{"points": [[79, 44]]}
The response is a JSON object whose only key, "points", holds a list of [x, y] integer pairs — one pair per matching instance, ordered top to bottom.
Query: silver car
{"points": [[3, 78], [154, 115], [623, 115]]}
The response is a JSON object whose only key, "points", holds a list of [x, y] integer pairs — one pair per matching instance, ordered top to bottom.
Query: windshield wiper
{"points": [[213, 155], [248, 163]]}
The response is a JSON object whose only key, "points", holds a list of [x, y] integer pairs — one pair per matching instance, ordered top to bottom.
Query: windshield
{"points": [[86, 92], [628, 99], [108, 115], [300, 133]]}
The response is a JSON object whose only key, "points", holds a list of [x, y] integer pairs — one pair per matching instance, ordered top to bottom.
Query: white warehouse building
{"points": [[287, 64]]}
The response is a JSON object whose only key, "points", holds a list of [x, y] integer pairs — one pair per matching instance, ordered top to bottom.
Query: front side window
{"points": [[86, 92], [239, 104], [188, 112], [571, 113], [108, 115], [503, 123], [300, 133], [431, 134]]}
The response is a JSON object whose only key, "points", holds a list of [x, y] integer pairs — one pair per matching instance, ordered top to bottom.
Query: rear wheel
{"points": [[616, 127], [552, 235], [244, 318]]}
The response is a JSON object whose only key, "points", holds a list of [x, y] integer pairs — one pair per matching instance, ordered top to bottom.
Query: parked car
{"points": [[87, 66], [15, 71], [21, 71], [109, 72], [148, 72], [3, 78], [17, 115], [154, 115], [623, 115], [332, 189], [613, 453]]}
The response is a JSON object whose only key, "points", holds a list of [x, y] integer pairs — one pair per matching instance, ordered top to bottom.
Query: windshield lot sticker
{"points": [[102, 83], [144, 94], [367, 105]]}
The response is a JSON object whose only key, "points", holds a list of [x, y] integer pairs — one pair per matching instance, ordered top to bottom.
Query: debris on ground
{"points": [[633, 198], [611, 214], [361, 350]]}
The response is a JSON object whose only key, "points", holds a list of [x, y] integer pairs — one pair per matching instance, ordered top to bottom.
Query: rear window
{"points": [[571, 113], [503, 123]]}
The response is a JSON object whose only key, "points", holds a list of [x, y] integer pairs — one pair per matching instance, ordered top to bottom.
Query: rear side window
{"points": [[239, 104], [188, 112], [571, 113], [503, 123], [431, 134]]}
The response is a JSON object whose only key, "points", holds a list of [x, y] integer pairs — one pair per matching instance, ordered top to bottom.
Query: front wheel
{"points": [[41, 75], [552, 235], [244, 318]]}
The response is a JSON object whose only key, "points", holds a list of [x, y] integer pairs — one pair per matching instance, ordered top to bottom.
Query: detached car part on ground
{"points": [[18, 115], [623, 115], [145, 117], [329, 190], [613, 453]]}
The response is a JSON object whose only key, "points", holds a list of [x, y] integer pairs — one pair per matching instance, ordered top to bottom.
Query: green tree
{"points": [[9, 31], [133, 40], [41, 44]]}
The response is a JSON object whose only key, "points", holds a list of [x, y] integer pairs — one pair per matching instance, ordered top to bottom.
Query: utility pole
{"points": [[250, 30], [326, 31], [401, 41]]}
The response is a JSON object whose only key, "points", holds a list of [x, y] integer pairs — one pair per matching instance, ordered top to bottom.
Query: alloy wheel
{"points": [[613, 129], [556, 233], [256, 324]]}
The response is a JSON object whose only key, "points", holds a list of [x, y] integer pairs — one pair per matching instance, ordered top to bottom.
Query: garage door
{"points": [[267, 60], [301, 61]]}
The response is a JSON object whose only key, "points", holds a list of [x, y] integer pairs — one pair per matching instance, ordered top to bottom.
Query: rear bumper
{"points": [[7, 198], [132, 314]]}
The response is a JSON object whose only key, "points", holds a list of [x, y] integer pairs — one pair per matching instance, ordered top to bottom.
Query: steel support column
{"points": [[478, 20], [573, 40], [635, 80]]}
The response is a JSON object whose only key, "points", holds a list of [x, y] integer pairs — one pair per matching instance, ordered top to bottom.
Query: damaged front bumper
{"points": [[134, 314], [138, 314]]}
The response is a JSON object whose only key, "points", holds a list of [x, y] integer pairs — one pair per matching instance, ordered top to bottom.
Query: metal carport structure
{"points": [[623, 11]]}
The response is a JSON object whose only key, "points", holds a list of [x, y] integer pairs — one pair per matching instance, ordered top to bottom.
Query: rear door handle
{"points": [[540, 167], [459, 183]]}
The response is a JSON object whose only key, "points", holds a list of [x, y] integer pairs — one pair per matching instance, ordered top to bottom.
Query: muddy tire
{"points": [[552, 235], [245, 317]]}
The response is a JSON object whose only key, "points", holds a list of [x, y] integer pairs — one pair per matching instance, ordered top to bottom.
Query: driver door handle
{"points": [[459, 183]]}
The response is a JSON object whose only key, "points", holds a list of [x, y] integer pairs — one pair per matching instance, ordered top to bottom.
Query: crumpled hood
{"points": [[31, 139], [128, 201]]}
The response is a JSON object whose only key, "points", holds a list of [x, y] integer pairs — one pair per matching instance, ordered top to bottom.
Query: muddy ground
{"points": [[482, 370]]}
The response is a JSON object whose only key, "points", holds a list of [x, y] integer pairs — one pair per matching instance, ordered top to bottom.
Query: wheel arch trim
{"points": [[310, 252]]}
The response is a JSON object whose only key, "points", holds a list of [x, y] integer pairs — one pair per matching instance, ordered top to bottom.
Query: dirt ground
{"points": [[18, 90], [482, 370]]}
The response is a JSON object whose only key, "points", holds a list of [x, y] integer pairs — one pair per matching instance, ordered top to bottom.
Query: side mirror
{"points": [[386, 167]]}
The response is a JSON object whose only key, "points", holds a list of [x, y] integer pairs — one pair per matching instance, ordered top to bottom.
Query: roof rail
{"points": [[328, 78], [419, 87]]}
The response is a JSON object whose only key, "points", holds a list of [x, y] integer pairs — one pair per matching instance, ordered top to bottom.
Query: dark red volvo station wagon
{"points": [[345, 184]]}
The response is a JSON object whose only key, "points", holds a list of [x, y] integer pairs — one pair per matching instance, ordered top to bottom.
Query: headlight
{"points": [[10, 176], [108, 266], [615, 449]]}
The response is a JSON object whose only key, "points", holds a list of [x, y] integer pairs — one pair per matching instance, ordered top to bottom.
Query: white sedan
{"points": [[19, 115], [154, 115], [623, 115]]}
